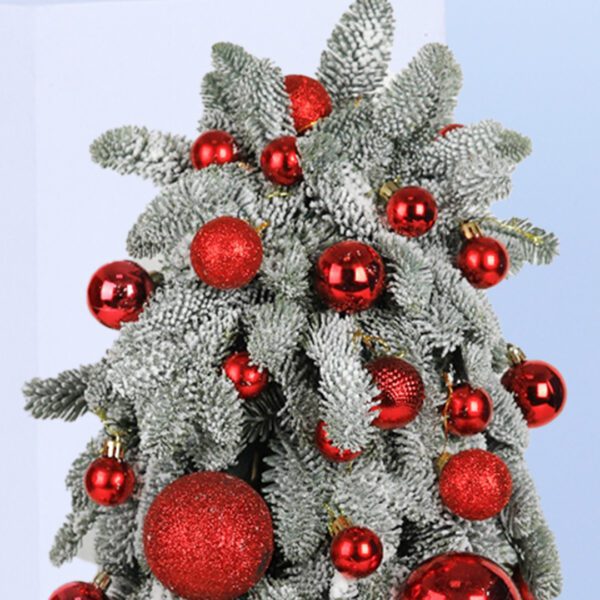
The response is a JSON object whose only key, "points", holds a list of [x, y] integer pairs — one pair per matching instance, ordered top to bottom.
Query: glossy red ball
{"points": [[309, 99], [452, 127], [214, 147], [280, 161], [412, 211], [226, 253], [483, 261], [350, 276], [118, 292], [248, 379], [539, 389], [402, 392], [469, 411], [328, 450], [109, 481], [356, 552], [522, 586], [78, 590]]}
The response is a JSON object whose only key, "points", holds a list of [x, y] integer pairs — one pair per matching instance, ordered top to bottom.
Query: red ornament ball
{"points": [[309, 99], [446, 130], [214, 147], [280, 161], [412, 211], [226, 253], [483, 261], [350, 276], [118, 292], [248, 379], [539, 390], [402, 392], [468, 411], [328, 450], [109, 481], [475, 485], [208, 536], [356, 552], [459, 576], [522, 586], [78, 590]]}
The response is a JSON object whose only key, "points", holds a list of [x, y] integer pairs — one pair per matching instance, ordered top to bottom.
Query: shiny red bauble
{"points": [[309, 99], [444, 131], [214, 147], [280, 161], [411, 211], [226, 253], [483, 261], [350, 276], [118, 292], [248, 379], [539, 390], [402, 392], [468, 410], [328, 450], [109, 481], [475, 484], [208, 536], [356, 552], [459, 576], [522, 586], [78, 590]]}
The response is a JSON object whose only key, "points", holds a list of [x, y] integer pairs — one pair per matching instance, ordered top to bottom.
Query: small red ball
{"points": [[309, 99], [446, 130], [214, 147], [280, 161], [412, 211], [226, 253], [483, 261], [350, 276], [118, 292], [248, 379], [539, 390], [402, 392], [469, 411], [328, 450], [109, 481], [475, 485], [356, 552], [522, 586], [78, 590]]}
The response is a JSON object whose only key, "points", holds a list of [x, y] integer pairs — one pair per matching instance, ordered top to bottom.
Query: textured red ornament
{"points": [[309, 99], [446, 130], [214, 147], [280, 161], [412, 211], [226, 253], [483, 261], [350, 276], [118, 292], [248, 379], [539, 390], [402, 391], [468, 410], [328, 450], [109, 481], [475, 485], [208, 536], [356, 552], [459, 576], [522, 586], [78, 590]]}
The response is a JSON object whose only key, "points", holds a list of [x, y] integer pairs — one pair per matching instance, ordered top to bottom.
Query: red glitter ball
{"points": [[310, 101], [446, 130], [214, 147], [280, 161], [412, 211], [226, 253], [483, 261], [248, 379], [469, 410], [328, 450], [109, 481], [475, 485], [208, 536], [356, 552], [522, 586], [78, 590]]}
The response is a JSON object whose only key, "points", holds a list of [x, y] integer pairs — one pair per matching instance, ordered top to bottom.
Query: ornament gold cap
{"points": [[389, 188], [260, 229], [470, 230], [157, 277], [515, 355], [113, 448], [442, 460], [337, 522], [102, 580]]}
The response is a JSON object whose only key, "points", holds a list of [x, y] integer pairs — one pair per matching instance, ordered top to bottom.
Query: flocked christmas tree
{"points": [[318, 332]]}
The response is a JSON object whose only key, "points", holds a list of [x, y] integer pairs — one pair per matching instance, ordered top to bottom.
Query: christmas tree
{"points": [[313, 398]]}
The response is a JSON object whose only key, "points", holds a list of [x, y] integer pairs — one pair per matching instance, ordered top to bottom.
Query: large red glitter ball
{"points": [[309, 99], [214, 147], [280, 161], [412, 211], [226, 253], [483, 261], [350, 276], [118, 292], [248, 379], [539, 390], [401, 391], [469, 410], [328, 450], [109, 481], [475, 484], [208, 536], [356, 552], [459, 576], [522, 586], [78, 590]]}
